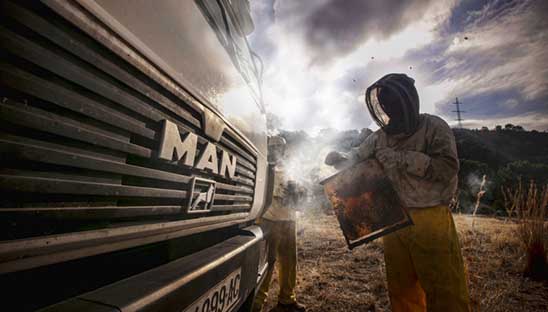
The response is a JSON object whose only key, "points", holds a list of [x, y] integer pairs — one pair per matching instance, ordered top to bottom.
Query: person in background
{"points": [[280, 221], [424, 265]]}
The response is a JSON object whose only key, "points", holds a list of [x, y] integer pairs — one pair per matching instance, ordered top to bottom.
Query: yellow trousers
{"points": [[282, 249], [424, 265]]}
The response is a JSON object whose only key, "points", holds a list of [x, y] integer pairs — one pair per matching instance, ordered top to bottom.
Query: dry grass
{"points": [[532, 229], [332, 278]]}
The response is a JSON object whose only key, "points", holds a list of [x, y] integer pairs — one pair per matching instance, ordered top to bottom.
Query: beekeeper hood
{"points": [[393, 103], [276, 148]]}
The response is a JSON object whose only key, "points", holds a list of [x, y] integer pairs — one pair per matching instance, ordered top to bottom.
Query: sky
{"points": [[321, 55]]}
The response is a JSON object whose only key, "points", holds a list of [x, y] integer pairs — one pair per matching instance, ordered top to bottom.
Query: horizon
{"points": [[315, 134]]}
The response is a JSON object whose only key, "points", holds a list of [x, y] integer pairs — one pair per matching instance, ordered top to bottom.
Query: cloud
{"points": [[339, 27], [503, 52], [321, 55], [501, 61]]}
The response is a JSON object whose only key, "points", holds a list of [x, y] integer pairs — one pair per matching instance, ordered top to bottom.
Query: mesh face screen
{"points": [[376, 108]]}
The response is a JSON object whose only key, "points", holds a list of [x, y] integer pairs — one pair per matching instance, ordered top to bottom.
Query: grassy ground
{"points": [[332, 278]]}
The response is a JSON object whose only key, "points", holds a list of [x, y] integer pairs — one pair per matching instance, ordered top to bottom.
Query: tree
{"points": [[526, 170], [510, 175]]}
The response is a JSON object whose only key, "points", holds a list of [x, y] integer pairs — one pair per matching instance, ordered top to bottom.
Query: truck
{"points": [[133, 145]]}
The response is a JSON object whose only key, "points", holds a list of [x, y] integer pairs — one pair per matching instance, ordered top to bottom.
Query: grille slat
{"points": [[16, 78], [26, 119], [72, 121], [240, 151], [97, 154], [245, 172], [244, 181], [59, 186], [238, 198], [231, 207], [93, 213]]}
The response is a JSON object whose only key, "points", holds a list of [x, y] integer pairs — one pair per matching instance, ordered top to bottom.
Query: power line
{"points": [[459, 112]]}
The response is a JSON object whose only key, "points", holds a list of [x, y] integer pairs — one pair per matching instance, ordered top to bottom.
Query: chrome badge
{"points": [[184, 151], [202, 194]]}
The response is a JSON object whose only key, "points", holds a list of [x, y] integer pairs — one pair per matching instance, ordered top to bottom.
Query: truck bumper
{"points": [[181, 284]]}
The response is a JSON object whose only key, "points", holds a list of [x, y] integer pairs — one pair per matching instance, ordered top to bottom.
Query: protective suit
{"points": [[422, 166], [280, 221], [424, 265]]}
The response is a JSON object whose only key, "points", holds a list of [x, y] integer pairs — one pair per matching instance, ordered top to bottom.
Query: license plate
{"points": [[223, 297]]}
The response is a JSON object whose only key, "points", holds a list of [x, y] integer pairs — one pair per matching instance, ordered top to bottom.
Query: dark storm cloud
{"points": [[468, 12], [338, 27]]}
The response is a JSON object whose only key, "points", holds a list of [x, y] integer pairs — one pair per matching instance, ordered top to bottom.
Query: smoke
{"points": [[304, 162], [469, 191]]}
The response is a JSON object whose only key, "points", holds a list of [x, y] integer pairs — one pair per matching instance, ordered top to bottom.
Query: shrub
{"points": [[530, 205]]}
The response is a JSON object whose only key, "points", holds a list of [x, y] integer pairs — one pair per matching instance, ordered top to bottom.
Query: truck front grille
{"points": [[79, 136]]}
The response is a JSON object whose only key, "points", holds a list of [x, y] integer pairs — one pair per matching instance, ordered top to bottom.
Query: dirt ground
{"points": [[332, 278]]}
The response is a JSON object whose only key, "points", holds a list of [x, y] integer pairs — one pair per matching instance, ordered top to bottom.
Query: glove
{"points": [[366, 150], [334, 158], [389, 158]]}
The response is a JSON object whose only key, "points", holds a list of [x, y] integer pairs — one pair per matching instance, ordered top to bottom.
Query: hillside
{"points": [[498, 148]]}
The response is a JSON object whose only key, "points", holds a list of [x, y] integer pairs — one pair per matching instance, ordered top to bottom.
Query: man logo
{"points": [[172, 148], [201, 195]]}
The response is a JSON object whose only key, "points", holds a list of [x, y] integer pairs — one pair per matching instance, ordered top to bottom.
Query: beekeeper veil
{"points": [[393, 103], [276, 148]]}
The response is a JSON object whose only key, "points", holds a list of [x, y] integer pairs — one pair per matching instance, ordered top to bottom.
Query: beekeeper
{"points": [[280, 221], [424, 265]]}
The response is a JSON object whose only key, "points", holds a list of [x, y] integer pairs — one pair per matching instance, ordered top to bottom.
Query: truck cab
{"points": [[134, 156]]}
